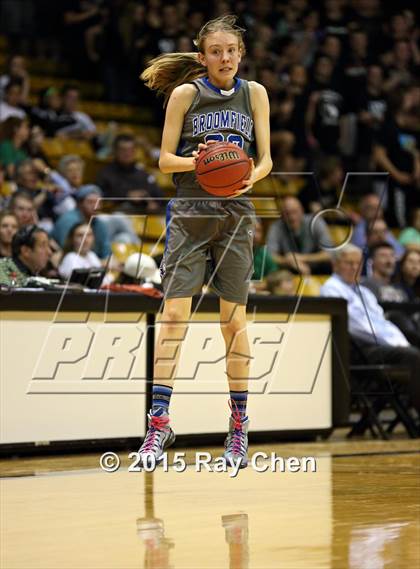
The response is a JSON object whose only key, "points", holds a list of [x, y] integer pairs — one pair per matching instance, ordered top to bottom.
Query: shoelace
{"points": [[156, 424], [238, 434]]}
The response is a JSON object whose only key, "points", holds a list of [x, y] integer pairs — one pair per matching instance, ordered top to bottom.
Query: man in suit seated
{"points": [[379, 339]]}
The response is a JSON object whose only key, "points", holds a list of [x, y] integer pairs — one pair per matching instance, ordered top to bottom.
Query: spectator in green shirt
{"points": [[14, 134], [410, 236], [30, 255], [263, 261]]}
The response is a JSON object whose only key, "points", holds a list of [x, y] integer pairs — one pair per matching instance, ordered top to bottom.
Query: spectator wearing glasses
{"points": [[30, 255]]}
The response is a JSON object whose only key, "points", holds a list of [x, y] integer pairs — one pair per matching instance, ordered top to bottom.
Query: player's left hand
{"points": [[201, 146], [248, 183]]}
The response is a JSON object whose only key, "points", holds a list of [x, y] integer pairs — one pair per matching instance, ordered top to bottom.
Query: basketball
{"points": [[222, 168]]}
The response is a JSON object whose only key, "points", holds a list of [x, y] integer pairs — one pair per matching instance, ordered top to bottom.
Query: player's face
{"points": [[221, 57]]}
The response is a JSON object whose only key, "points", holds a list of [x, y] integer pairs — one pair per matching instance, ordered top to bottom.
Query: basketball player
{"points": [[207, 102]]}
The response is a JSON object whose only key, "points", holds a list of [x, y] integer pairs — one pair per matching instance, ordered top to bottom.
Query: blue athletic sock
{"points": [[161, 397], [239, 401]]}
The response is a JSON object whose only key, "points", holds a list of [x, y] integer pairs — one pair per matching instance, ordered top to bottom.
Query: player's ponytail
{"points": [[169, 70]]}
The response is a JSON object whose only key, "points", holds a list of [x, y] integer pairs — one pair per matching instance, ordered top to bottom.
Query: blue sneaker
{"points": [[159, 436], [236, 443]]}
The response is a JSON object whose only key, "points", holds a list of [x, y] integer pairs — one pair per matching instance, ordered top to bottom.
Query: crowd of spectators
{"points": [[344, 92]]}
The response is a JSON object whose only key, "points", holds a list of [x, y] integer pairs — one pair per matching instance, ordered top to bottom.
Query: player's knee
{"points": [[173, 315], [234, 325]]}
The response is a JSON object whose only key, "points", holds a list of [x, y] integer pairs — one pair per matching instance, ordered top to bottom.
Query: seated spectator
{"points": [[78, 17], [357, 59], [402, 67], [16, 71], [11, 106], [370, 106], [325, 110], [47, 114], [81, 125], [14, 134], [283, 137], [35, 143], [395, 150], [68, 178], [124, 178], [29, 179], [7, 187], [316, 197], [22, 206], [370, 211], [85, 212], [8, 228], [378, 233], [410, 236], [295, 243], [78, 250], [30, 255], [263, 261], [383, 264], [408, 275], [281, 283], [380, 283], [378, 338]]}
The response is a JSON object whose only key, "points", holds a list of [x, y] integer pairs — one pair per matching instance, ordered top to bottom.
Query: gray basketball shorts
{"points": [[208, 241]]}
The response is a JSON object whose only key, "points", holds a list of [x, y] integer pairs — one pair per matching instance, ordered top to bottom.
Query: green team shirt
{"points": [[219, 115]]}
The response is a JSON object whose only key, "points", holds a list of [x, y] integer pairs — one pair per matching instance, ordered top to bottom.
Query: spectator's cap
{"points": [[86, 190], [141, 266]]}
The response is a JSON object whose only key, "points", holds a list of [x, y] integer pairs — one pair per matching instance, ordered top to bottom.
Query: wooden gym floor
{"points": [[359, 510]]}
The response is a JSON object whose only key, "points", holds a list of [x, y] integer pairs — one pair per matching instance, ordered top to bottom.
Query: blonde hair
{"points": [[167, 71]]}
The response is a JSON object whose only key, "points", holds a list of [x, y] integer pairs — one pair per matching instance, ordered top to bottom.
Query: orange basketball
{"points": [[222, 169]]}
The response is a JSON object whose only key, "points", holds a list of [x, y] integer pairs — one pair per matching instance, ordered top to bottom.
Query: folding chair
{"points": [[376, 389]]}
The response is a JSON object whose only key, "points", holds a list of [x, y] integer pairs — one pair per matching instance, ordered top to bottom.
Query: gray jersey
{"points": [[214, 115]]}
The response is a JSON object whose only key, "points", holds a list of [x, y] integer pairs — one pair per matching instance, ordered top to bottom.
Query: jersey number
{"points": [[219, 137]]}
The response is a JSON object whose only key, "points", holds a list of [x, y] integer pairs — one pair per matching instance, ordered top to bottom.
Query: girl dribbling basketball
{"points": [[207, 102]]}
